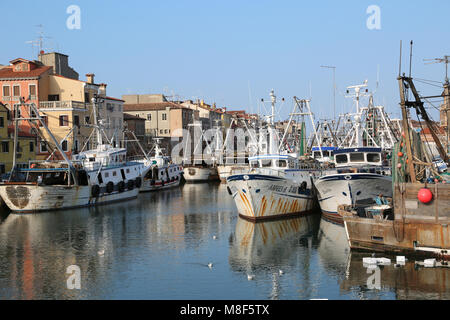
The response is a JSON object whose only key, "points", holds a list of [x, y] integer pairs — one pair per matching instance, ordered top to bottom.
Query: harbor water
{"points": [[189, 243]]}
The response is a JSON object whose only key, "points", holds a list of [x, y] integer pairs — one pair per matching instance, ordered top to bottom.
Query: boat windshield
{"points": [[357, 157], [341, 158]]}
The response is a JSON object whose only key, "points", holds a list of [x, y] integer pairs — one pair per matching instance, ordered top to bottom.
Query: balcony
{"points": [[62, 105]]}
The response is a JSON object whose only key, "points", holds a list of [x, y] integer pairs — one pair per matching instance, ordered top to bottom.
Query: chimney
{"points": [[90, 78], [102, 90]]}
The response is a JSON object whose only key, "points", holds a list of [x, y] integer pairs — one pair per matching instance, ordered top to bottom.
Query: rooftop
{"points": [[152, 106]]}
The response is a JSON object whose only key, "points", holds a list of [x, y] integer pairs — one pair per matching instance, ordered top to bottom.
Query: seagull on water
{"points": [[250, 277]]}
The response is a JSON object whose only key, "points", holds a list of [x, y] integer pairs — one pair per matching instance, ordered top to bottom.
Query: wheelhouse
{"points": [[323, 153], [358, 157], [274, 162]]}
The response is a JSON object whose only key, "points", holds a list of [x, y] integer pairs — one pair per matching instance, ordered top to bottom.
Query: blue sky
{"points": [[229, 51]]}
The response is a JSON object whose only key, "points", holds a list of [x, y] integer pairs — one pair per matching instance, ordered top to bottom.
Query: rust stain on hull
{"points": [[18, 195]]}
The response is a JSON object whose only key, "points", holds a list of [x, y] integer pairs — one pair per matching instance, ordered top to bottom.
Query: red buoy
{"points": [[424, 195]]}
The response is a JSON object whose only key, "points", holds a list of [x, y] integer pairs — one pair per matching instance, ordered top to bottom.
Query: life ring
{"points": [[348, 177], [138, 182], [130, 184], [121, 186], [110, 187], [95, 190]]}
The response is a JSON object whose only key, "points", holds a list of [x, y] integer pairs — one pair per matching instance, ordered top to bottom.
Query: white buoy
{"points": [[215, 237], [210, 265], [281, 272], [250, 277]]}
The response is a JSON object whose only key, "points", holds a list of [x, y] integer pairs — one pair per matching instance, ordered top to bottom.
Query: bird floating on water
{"points": [[214, 237], [101, 252], [210, 265], [281, 272], [250, 277]]}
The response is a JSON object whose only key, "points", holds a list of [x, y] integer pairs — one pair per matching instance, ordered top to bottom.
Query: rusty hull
{"points": [[415, 225]]}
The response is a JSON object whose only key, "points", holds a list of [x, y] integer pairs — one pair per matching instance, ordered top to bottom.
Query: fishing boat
{"points": [[202, 167], [361, 169], [163, 174], [98, 176], [358, 177], [274, 185], [416, 220]]}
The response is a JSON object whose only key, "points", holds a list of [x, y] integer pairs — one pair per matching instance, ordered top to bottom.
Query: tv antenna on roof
{"points": [[39, 42], [440, 60]]}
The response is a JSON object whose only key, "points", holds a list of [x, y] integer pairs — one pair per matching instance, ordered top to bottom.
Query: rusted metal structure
{"points": [[414, 225]]}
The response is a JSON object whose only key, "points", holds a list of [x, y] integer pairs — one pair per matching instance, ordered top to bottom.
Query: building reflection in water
{"points": [[106, 242], [262, 249]]}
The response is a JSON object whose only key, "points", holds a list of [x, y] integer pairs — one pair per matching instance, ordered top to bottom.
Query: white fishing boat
{"points": [[203, 165], [230, 165], [361, 171], [200, 172], [163, 174], [359, 176], [92, 177], [274, 185]]}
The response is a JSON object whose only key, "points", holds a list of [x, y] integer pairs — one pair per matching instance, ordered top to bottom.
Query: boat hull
{"points": [[226, 171], [200, 174], [147, 185], [337, 189], [260, 197], [27, 198], [409, 237]]}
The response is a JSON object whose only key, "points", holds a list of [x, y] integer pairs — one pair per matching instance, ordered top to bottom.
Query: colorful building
{"points": [[26, 149]]}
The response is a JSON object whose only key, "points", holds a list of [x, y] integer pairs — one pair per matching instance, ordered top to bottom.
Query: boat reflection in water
{"points": [[122, 249], [263, 249], [359, 281]]}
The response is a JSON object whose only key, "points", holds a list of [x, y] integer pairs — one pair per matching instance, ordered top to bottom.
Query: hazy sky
{"points": [[235, 52]]}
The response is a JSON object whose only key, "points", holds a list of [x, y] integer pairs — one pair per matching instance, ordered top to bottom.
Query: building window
{"points": [[32, 89], [6, 91], [16, 91], [53, 97], [86, 97], [17, 113], [164, 116], [149, 117], [87, 119], [45, 120], [76, 120], [64, 121], [2, 122], [161, 131], [165, 131], [5, 146], [31, 146], [43, 146], [64, 146], [75, 148], [2, 168]]}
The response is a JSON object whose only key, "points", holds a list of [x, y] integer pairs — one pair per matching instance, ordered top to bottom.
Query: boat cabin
{"points": [[325, 156], [109, 157], [350, 157], [273, 162]]}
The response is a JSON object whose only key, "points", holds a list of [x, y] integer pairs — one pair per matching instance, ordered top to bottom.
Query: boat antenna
{"points": [[410, 58], [400, 63]]}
